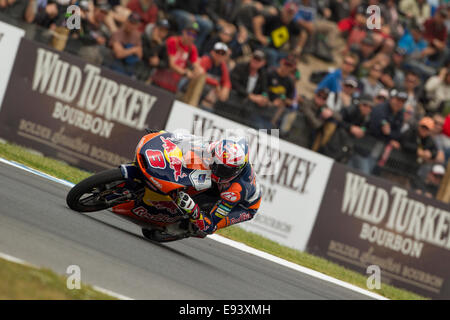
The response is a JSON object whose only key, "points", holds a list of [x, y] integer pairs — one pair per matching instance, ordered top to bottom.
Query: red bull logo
{"points": [[168, 145], [174, 155], [177, 165]]}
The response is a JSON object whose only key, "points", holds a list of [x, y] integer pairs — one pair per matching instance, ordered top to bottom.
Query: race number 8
{"points": [[156, 159]]}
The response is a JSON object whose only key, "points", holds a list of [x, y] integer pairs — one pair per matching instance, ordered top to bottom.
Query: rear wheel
{"points": [[98, 192]]}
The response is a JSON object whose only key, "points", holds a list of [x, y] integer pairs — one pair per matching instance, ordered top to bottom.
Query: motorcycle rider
{"points": [[235, 187]]}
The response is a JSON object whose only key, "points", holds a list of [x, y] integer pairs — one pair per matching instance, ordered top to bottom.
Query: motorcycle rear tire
{"points": [[87, 185]]}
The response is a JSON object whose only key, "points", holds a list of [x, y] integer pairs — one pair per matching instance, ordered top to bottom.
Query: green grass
{"points": [[64, 171], [313, 262], [21, 282]]}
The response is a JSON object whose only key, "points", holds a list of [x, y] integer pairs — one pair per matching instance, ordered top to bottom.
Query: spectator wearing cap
{"points": [[147, 11], [186, 12], [274, 31], [227, 35], [153, 44], [126, 45], [365, 52], [382, 56], [183, 61], [394, 74], [249, 80], [333, 80], [218, 84], [249, 90], [438, 90], [281, 94], [344, 99], [317, 114], [386, 119], [354, 120], [383, 127], [418, 145], [429, 186]]}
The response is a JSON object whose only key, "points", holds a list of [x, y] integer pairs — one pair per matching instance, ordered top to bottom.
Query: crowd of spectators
{"points": [[388, 97]]}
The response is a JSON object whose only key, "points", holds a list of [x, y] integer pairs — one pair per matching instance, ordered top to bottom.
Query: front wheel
{"points": [[98, 192]]}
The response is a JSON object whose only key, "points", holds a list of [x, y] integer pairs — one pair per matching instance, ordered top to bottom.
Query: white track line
{"points": [[218, 238]]}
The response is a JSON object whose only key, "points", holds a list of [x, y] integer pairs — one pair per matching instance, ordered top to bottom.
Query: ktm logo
{"points": [[230, 196]]}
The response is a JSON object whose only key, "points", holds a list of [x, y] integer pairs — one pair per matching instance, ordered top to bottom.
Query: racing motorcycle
{"points": [[145, 190]]}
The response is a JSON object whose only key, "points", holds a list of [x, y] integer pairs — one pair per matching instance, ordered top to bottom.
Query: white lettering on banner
{"points": [[9, 43], [110, 101], [82, 120], [288, 170], [292, 178], [403, 215]]}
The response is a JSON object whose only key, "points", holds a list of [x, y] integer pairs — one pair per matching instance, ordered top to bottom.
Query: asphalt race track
{"points": [[37, 226]]}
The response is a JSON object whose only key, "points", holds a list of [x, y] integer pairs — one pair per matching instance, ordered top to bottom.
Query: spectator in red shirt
{"points": [[146, 9], [436, 34], [182, 52], [183, 60], [218, 76]]}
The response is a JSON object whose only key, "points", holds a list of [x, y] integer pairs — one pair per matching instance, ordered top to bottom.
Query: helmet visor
{"points": [[223, 171]]}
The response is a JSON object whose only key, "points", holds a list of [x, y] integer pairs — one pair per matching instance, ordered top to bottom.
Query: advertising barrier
{"points": [[9, 42], [71, 110], [292, 185], [364, 221]]}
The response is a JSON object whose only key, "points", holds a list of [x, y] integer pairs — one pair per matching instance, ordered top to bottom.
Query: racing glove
{"points": [[185, 202]]}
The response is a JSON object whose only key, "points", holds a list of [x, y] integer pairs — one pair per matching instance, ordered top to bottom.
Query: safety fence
{"points": [[92, 118]]}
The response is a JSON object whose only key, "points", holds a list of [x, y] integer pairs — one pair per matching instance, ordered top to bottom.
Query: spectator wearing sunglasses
{"points": [[182, 50], [217, 74], [333, 81], [345, 98], [417, 143]]}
